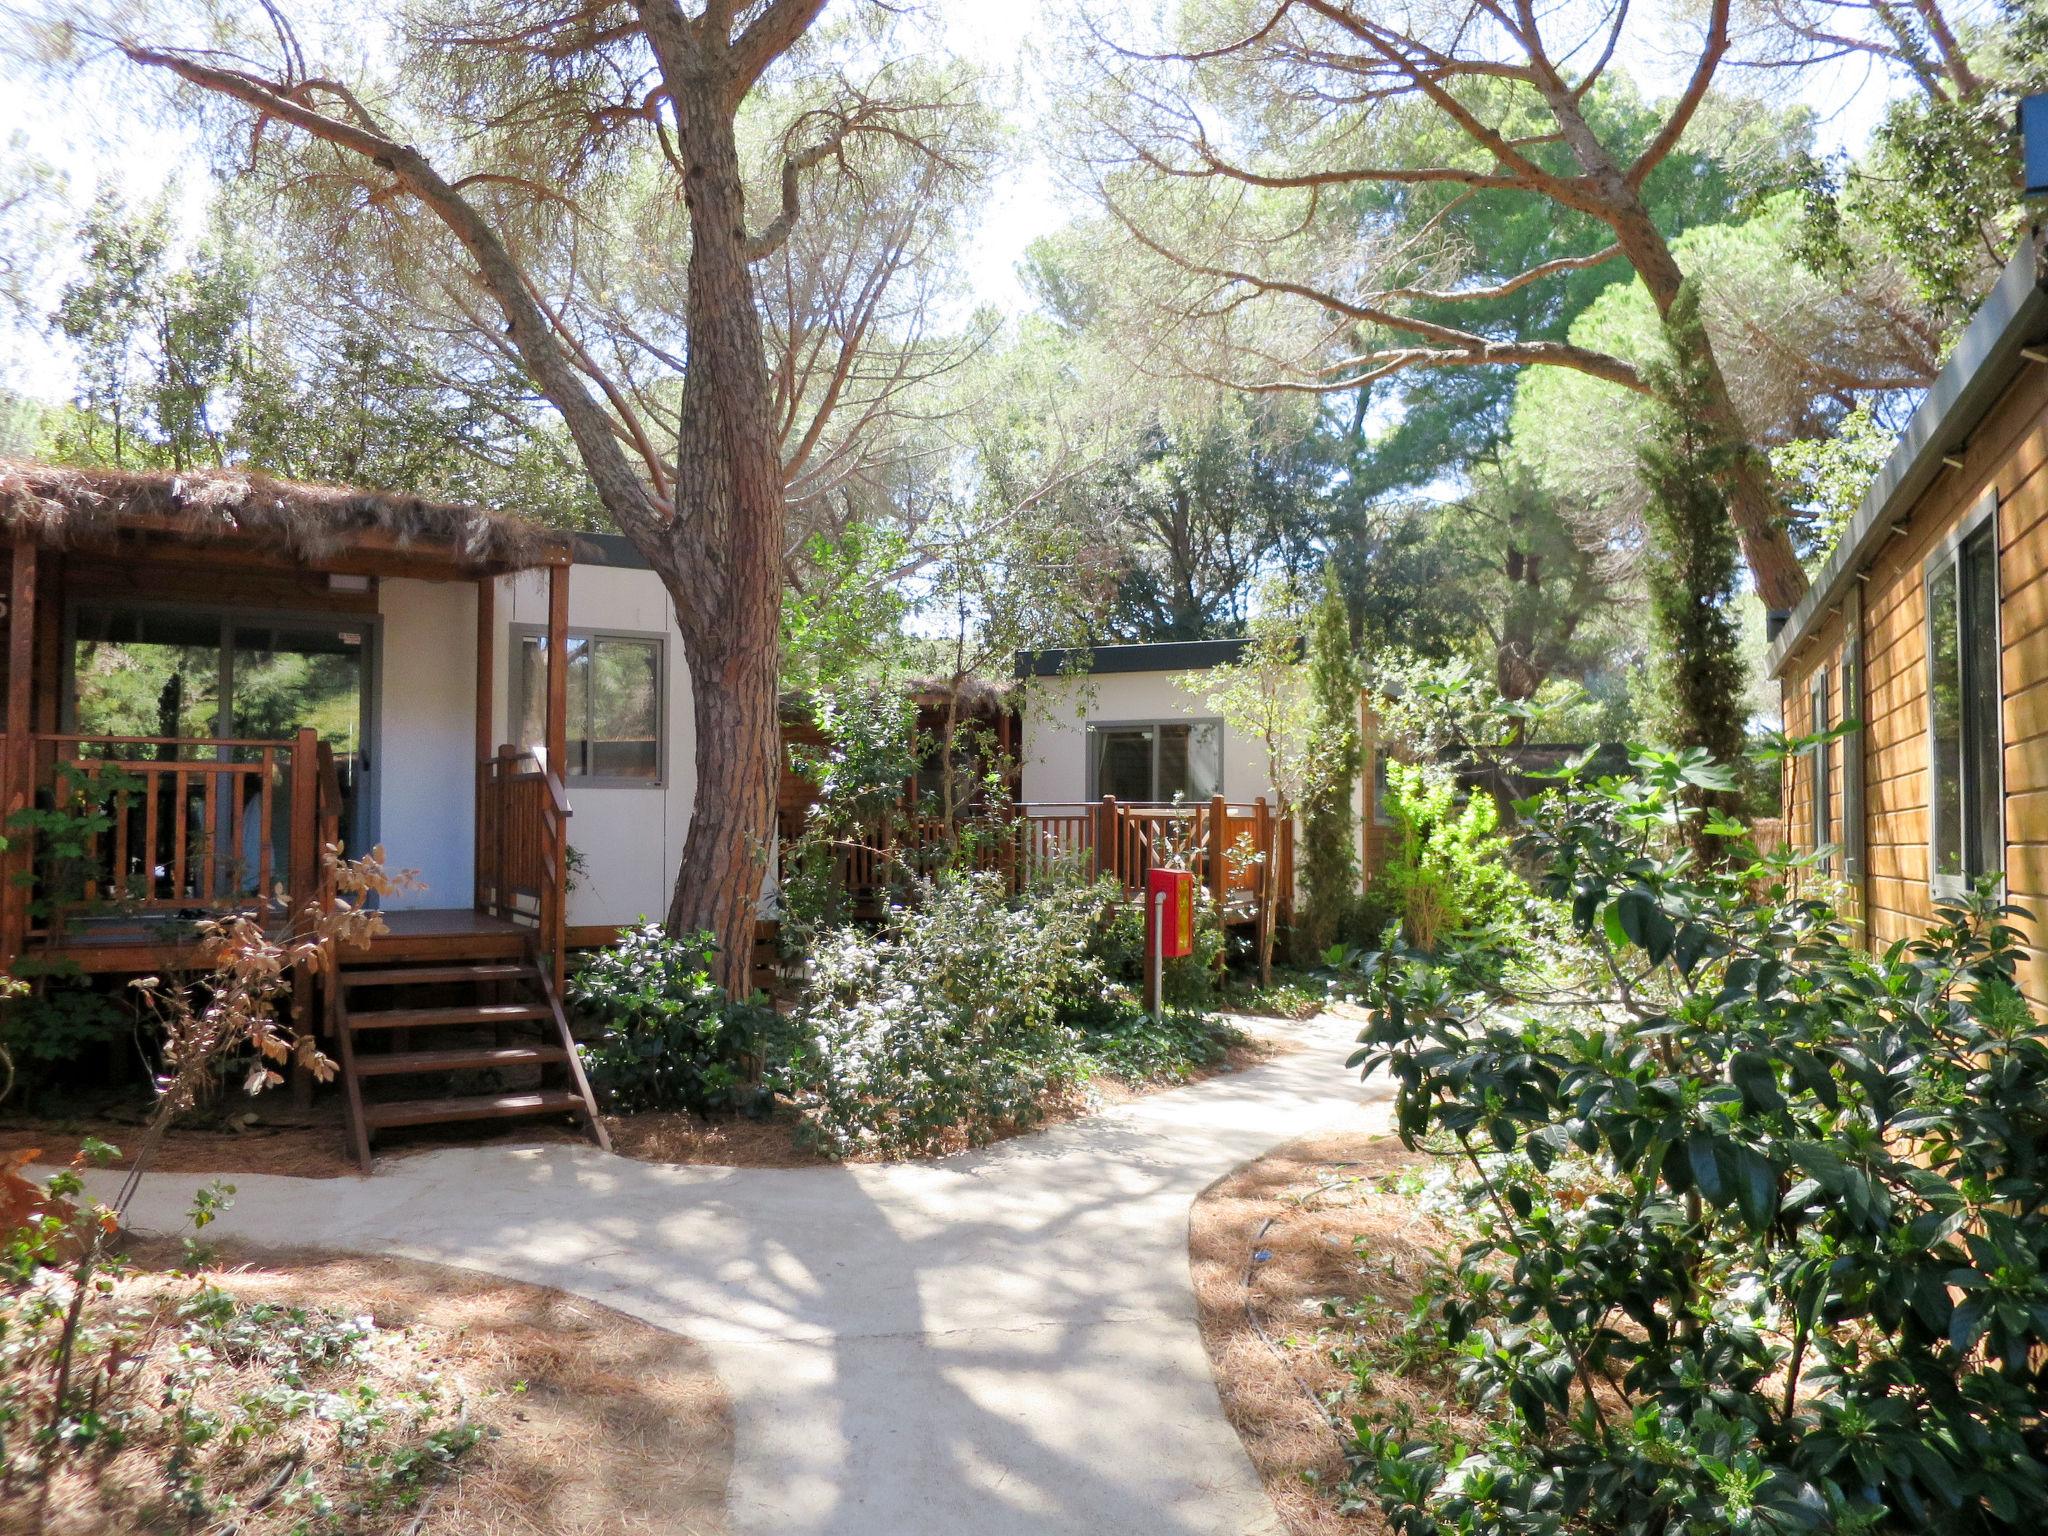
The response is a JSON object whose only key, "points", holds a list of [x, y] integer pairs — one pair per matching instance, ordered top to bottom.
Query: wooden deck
{"points": [[417, 933], [449, 933]]}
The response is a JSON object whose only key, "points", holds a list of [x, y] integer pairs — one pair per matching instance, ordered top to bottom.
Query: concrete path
{"points": [[998, 1344]]}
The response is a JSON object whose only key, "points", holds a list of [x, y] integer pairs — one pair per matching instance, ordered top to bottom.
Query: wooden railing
{"points": [[139, 829], [324, 831], [1054, 842], [1228, 847], [1231, 849], [522, 852]]}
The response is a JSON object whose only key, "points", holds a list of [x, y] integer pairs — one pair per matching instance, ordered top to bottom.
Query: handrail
{"points": [[165, 741], [557, 791], [523, 843]]}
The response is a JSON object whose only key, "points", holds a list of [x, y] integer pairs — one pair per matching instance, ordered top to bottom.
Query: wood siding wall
{"points": [[2009, 453]]}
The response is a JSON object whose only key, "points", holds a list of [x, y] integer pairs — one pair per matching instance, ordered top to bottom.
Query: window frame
{"points": [[1946, 556], [521, 633], [1153, 725], [1820, 759], [1378, 787]]}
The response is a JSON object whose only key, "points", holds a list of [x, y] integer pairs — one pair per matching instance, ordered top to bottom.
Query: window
{"points": [[615, 704], [1821, 755], [1154, 761], [1966, 799]]}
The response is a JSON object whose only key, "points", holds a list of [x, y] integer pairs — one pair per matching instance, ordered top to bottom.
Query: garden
{"points": [[1500, 385], [1695, 1214]]}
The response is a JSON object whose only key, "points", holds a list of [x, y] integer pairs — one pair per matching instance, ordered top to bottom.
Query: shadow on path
{"points": [[1000, 1343]]}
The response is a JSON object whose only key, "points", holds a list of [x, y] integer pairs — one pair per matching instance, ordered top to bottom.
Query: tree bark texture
{"points": [[1614, 195], [723, 565]]}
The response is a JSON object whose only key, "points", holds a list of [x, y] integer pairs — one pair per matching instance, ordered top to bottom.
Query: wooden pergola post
{"points": [[50, 658], [486, 691], [20, 749], [1218, 856], [556, 920]]}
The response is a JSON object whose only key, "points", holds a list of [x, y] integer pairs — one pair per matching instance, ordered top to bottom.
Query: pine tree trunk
{"points": [[1609, 196], [1753, 506], [725, 574], [719, 882]]}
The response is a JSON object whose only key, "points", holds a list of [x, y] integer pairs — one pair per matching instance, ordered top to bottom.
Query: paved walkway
{"points": [[998, 1344]]}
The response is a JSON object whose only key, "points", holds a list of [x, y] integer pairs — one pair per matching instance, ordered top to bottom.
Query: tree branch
{"points": [[764, 40], [1714, 49], [1501, 290], [623, 492]]}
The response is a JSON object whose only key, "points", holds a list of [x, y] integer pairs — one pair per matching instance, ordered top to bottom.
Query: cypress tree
{"points": [[1688, 466], [1329, 819]]}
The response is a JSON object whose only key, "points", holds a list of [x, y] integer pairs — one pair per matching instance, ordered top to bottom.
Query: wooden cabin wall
{"points": [[2009, 451]]}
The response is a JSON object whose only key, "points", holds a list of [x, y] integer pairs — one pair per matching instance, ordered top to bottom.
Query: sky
{"points": [[95, 138]]}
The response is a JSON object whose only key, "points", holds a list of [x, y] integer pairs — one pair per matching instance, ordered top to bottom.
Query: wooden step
{"points": [[402, 976], [431, 1018], [478, 1058], [502, 1106]]}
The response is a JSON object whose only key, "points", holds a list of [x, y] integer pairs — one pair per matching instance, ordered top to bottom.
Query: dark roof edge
{"points": [[2013, 316], [613, 549], [1160, 656]]}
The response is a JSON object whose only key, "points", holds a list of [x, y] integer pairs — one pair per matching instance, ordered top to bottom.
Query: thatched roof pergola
{"points": [[320, 526]]}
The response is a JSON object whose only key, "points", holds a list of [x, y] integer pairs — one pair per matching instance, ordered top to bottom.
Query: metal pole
{"points": [[1155, 973]]}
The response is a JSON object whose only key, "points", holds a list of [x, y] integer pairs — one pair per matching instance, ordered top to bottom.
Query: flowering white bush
{"points": [[945, 1023]]}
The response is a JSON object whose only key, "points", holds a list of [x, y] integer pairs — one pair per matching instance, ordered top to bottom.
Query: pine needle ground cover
{"points": [[291, 1393]]}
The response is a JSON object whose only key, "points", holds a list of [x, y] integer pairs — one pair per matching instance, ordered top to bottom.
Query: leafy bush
{"points": [[1329, 818], [1452, 875], [1116, 944], [1104, 998], [55, 1021], [945, 1023], [667, 1036], [1133, 1046], [1802, 1287]]}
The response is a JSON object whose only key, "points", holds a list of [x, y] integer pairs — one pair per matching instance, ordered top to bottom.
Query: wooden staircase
{"points": [[414, 1038]]}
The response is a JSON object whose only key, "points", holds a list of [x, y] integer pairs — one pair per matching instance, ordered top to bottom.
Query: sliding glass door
{"points": [[146, 673], [211, 676]]}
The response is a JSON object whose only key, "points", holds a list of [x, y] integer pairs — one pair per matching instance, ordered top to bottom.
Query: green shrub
{"points": [[1329, 818], [1452, 874], [1116, 944], [1104, 999], [57, 1021], [944, 1023], [667, 1037], [1130, 1045], [1797, 1279]]}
